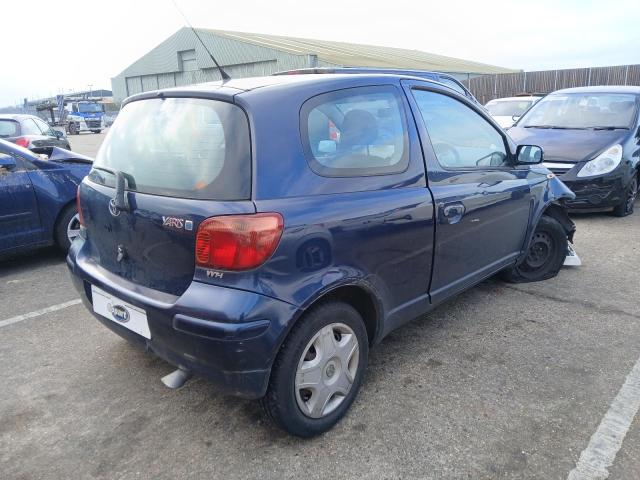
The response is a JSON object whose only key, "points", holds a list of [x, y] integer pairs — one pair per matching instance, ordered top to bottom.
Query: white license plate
{"points": [[116, 310]]}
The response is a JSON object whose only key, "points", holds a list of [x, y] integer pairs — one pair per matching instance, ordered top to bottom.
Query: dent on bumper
{"points": [[599, 192], [226, 335]]}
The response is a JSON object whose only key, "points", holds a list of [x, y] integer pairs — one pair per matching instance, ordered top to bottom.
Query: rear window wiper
{"points": [[609, 128], [130, 182]]}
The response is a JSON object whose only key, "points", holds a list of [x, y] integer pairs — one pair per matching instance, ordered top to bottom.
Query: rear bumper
{"points": [[226, 335]]}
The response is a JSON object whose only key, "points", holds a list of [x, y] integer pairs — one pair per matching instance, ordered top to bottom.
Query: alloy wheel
{"points": [[73, 228]]}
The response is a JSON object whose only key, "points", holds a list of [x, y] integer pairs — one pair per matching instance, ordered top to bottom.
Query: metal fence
{"points": [[488, 87]]}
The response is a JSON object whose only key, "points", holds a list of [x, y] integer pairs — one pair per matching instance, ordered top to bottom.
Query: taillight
{"points": [[23, 142], [80, 216], [238, 242]]}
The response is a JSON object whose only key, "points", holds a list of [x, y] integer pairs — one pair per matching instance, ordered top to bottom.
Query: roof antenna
{"points": [[225, 76]]}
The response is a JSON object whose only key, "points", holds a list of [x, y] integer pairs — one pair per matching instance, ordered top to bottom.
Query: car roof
{"points": [[364, 70], [240, 85], [601, 89], [522, 97], [17, 116], [6, 146]]}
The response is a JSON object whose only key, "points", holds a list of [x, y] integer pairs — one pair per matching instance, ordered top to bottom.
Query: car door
{"points": [[52, 139], [482, 201], [19, 217]]}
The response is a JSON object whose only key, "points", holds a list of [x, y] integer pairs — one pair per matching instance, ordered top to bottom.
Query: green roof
{"points": [[359, 55]]}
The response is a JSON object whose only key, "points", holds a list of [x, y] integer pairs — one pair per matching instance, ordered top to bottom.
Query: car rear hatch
{"points": [[183, 160]]}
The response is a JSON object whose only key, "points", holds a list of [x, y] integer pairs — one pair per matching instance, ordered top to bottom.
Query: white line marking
{"points": [[37, 313], [605, 443]]}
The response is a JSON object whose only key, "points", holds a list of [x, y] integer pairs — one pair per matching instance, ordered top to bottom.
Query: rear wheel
{"points": [[627, 205], [67, 228], [546, 254], [318, 371]]}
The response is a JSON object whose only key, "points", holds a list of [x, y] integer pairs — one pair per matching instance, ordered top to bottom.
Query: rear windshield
{"points": [[9, 128], [180, 147]]}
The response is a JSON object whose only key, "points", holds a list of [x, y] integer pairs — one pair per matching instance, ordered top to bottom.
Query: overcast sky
{"points": [[49, 45]]}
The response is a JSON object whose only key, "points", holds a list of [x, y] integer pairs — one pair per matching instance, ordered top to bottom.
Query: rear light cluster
{"points": [[23, 142], [80, 216], [238, 242]]}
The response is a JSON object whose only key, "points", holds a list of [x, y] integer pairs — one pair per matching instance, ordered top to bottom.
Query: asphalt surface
{"points": [[504, 381]]}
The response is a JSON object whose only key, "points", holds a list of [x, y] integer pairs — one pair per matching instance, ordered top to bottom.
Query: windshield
{"points": [[89, 107], [508, 108], [581, 111], [9, 128], [181, 147]]}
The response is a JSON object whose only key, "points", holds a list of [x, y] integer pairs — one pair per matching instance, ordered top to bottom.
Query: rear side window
{"points": [[29, 127], [9, 128], [355, 132], [180, 147]]}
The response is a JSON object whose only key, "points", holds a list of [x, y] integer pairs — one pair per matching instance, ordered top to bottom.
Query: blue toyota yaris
{"points": [[38, 197], [265, 232]]}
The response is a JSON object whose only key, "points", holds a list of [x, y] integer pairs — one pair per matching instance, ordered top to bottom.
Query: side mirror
{"points": [[58, 134], [529, 155], [7, 162]]}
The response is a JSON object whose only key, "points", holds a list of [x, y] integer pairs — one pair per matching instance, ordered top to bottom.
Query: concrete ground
{"points": [[87, 143], [504, 381]]}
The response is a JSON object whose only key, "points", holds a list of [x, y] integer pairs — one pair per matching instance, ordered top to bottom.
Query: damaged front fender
{"points": [[548, 199]]}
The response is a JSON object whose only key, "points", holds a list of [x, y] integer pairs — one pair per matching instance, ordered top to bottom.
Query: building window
{"points": [[188, 62]]}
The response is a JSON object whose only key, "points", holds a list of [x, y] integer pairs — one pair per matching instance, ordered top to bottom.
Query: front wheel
{"points": [[626, 206], [545, 256], [318, 371]]}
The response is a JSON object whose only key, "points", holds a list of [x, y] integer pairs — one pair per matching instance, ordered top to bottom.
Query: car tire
{"points": [[73, 130], [627, 205], [67, 227], [547, 252], [328, 350]]}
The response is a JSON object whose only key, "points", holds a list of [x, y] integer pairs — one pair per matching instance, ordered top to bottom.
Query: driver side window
{"points": [[460, 137]]}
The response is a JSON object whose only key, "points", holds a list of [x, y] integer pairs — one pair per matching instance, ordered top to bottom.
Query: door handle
{"points": [[452, 212]]}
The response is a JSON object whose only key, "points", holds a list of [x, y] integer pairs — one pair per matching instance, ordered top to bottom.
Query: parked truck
{"points": [[84, 116]]}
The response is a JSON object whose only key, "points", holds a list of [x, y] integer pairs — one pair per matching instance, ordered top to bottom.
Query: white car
{"points": [[506, 111]]}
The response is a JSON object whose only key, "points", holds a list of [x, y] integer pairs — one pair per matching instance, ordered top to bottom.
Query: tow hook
{"points": [[177, 378]]}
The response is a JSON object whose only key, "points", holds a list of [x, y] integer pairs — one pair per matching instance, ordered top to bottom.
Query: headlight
{"points": [[606, 162]]}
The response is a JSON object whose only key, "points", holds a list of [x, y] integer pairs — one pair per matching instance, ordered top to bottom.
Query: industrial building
{"points": [[181, 59]]}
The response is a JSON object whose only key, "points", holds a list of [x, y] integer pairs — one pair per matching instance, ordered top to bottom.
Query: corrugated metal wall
{"points": [[160, 68], [488, 87]]}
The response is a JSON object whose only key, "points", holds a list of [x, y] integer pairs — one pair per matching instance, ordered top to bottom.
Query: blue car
{"points": [[591, 139], [38, 197], [265, 232]]}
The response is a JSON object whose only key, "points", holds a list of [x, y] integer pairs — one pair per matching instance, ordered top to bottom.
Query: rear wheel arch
{"points": [[360, 297]]}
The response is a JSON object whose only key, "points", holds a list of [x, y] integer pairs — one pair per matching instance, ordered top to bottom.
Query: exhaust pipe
{"points": [[177, 378]]}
